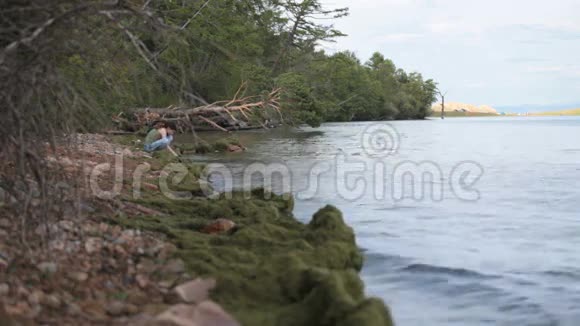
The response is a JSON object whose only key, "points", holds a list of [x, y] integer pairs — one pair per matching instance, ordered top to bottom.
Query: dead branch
{"points": [[195, 15], [137, 43], [238, 113], [213, 124]]}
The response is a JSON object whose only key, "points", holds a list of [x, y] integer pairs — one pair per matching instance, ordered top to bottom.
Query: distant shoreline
{"points": [[571, 112], [453, 114]]}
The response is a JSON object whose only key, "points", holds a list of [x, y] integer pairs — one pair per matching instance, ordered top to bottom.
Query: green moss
{"points": [[234, 140], [221, 145], [203, 147], [184, 148], [164, 157], [272, 270]]}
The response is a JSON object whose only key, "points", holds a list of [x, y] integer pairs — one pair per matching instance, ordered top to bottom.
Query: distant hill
{"points": [[463, 107]]}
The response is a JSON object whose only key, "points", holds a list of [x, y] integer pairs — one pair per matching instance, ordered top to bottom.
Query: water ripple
{"points": [[433, 269]]}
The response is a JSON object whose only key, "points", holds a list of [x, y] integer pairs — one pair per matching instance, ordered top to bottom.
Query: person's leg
{"points": [[164, 142], [158, 144]]}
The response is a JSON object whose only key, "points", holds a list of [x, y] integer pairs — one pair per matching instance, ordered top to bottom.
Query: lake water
{"points": [[493, 240]]}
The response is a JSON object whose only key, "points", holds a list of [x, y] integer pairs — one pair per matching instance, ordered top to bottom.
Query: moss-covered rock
{"points": [[226, 144], [221, 145], [203, 147], [272, 270]]}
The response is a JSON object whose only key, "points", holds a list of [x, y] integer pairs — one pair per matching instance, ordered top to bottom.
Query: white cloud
{"points": [[441, 27], [399, 37], [545, 69], [565, 71], [475, 84]]}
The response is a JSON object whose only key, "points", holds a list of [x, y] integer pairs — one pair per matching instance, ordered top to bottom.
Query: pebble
{"points": [[234, 149], [86, 208], [5, 223], [220, 225], [66, 226], [103, 227], [130, 233], [120, 240], [58, 245], [93, 245], [73, 246], [120, 251], [153, 251], [166, 251], [175, 266], [48, 267], [79, 276], [142, 281], [166, 284], [109, 285], [4, 289], [22, 291], [195, 291], [99, 295], [36, 297], [67, 297], [137, 297], [51, 301], [20, 308], [116, 308], [131, 309], [74, 310], [206, 313], [210, 313]]}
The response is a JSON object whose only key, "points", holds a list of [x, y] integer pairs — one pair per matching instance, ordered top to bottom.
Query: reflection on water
{"points": [[510, 257]]}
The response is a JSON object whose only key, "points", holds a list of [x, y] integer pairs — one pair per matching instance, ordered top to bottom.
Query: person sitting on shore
{"points": [[159, 138]]}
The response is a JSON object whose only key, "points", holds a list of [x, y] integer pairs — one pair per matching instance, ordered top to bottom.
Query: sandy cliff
{"points": [[463, 107]]}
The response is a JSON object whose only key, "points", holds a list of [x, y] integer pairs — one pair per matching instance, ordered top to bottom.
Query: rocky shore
{"points": [[190, 260]]}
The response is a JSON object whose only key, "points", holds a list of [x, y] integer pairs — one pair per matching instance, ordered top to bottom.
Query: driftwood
{"points": [[237, 114]]}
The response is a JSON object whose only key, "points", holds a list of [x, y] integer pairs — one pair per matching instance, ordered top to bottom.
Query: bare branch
{"points": [[146, 4], [195, 15], [137, 43], [213, 124]]}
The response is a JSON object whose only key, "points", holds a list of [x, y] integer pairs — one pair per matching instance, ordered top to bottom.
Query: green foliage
{"points": [[303, 29], [263, 43], [339, 88], [298, 97]]}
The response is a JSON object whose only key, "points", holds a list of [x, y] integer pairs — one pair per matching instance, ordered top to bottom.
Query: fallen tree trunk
{"points": [[237, 114]]}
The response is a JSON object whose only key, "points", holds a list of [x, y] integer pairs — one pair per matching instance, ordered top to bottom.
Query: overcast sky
{"points": [[496, 52]]}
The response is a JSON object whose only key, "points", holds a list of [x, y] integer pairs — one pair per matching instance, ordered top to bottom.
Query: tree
{"points": [[304, 30], [442, 95], [298, 98]]}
